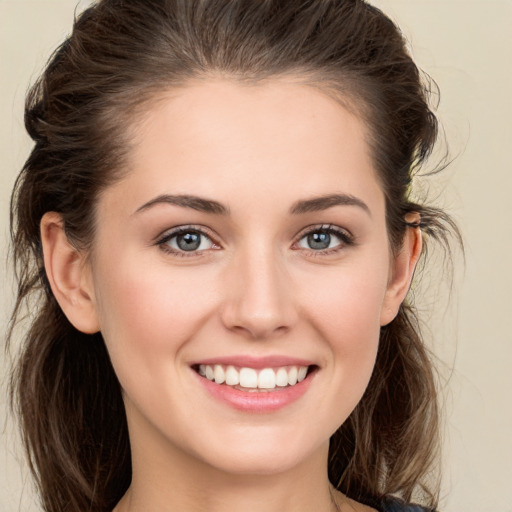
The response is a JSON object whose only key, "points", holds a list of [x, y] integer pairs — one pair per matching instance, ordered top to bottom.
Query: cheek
{"points": [[348, 306], [346, 310], [147, 313], [352, 327]]}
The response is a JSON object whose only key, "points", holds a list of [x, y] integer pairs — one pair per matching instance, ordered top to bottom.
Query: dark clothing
{"points": [[396, 505]]}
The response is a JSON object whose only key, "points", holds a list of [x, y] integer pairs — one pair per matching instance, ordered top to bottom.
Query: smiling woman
{"points": [[216, 222]]}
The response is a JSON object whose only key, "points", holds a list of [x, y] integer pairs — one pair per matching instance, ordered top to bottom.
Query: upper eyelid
{"points": [[323, 227], [170, 232], [346, 238], [162, 241]]}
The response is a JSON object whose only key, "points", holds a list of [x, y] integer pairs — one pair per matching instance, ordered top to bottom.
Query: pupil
{"points": [[319, 240], [189, 241]]}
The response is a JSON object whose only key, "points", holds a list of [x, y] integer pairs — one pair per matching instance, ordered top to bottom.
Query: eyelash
{"points": [[345, 237], [163, 241]]}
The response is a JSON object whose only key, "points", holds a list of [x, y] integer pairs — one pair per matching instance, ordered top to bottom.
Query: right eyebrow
{"points": [[187, 201]]}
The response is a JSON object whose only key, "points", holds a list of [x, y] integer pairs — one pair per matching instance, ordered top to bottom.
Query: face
{"points": [[247, 242]]}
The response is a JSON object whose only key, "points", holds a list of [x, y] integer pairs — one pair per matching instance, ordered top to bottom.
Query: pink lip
{"points": [[255, 362], [256, 401]]}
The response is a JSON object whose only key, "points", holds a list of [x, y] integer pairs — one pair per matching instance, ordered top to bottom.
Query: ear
{"points": [[402, 270], [68, 274]]}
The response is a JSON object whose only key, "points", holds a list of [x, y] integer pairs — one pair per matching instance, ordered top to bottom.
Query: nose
{"points": [[259, 299]]}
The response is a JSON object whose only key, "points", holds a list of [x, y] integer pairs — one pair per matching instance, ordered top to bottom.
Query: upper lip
{"points": [[245, 361]]}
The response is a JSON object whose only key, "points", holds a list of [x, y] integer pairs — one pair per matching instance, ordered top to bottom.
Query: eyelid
{"points": [[184, 227], [324, 227], [346, 237], [162, 239]]}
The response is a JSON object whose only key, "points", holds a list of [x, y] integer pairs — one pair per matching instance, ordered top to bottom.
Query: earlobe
{"points": [[402, 270], [68, 275]]}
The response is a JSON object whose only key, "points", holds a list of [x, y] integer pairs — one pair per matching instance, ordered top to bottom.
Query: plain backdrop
{"points": [[466, 46]]}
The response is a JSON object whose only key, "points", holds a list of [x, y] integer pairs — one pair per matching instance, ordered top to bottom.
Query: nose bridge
{"points": [[259, 301]]}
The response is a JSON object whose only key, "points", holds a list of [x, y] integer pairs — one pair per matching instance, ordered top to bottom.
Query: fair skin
{"points": [[264, 277]]}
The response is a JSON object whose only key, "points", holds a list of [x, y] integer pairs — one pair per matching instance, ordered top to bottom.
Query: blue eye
{"points": [[324, 239], [186, 240], [319, 240]]}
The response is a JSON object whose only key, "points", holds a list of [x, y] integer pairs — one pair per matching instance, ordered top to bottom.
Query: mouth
{"points": [[248, 379]]}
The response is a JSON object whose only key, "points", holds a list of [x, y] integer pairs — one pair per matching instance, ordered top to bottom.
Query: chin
{"points": [[263, 453], [260, 463]]}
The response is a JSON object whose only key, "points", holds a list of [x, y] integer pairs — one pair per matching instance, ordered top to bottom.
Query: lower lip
{"points": [[256, 401]]}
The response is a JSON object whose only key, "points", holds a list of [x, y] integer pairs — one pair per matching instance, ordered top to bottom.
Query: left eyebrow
{"points": [[317, 204]]}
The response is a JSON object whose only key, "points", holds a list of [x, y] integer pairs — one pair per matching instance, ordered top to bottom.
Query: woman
{"points": [[216, 218]]}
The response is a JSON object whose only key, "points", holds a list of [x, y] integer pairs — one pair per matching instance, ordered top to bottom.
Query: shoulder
{"points": [[396, 505]]}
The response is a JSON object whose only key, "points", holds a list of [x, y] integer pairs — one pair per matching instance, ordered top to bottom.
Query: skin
{"points": [[255, 287]]}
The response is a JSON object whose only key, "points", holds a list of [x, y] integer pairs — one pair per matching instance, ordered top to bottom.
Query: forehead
{"points": [[275, 140]]}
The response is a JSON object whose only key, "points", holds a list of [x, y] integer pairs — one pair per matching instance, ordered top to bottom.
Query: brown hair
{"points": [[122, 52]]}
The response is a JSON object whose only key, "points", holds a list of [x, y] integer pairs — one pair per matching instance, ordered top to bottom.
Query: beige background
{"points": [[466, 46]]}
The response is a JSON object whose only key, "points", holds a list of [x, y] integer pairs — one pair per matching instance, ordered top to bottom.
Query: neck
{"points": [[168, 482]]}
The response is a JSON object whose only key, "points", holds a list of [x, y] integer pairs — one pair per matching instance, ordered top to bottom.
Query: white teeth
{"points": [[209, 372], [218, 374], [232, 376], [292, 376], [282, 377], [248, 378], [266, 378]]}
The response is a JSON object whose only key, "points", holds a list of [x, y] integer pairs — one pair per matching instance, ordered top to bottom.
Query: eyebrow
{"points": [[187, 201], [317, 204], [210, 206]]}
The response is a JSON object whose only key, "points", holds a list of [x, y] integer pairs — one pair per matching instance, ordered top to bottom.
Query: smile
{"points": [[251, 379], [255, 384]]}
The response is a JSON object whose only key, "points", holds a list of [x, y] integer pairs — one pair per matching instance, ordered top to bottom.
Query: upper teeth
{"points": [[266, 378]]}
